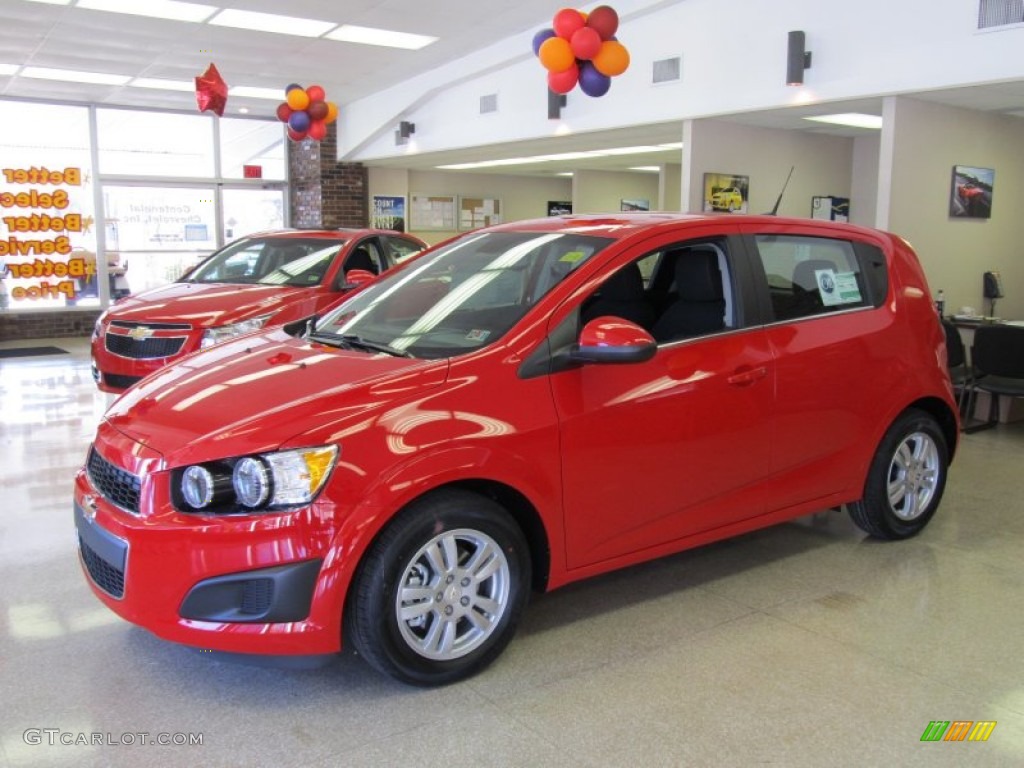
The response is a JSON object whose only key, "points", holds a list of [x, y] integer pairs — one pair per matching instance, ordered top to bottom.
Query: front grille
{"points": [[152, 326], [143, 349], [118, 381], [117, 485], [107, 577]]}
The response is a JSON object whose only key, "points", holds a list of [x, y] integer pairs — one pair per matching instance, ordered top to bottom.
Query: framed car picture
{"points": [[726, 192], [971, 193]]}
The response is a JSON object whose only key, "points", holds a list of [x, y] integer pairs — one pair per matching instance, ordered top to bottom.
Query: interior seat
{"points": [[360, 258], [621, 295], [699, 304]]}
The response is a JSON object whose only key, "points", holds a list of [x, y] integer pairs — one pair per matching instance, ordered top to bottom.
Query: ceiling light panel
{"points": [[156, 9], [271, 22], [349, 33], [8, 69], [74, 76], [162, 84], [252, 92], [851, 119]]}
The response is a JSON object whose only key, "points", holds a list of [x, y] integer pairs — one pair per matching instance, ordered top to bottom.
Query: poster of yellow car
{"points": [[726, 192]]}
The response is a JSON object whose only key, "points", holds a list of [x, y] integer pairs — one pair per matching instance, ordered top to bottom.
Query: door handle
{"points": [[746, 376]]}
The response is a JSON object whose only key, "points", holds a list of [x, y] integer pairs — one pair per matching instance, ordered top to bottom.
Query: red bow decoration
{"points": [[211, 91]]}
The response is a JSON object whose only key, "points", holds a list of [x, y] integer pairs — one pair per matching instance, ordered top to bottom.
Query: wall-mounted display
{"points": [[726, 192], [971, 194], [634, 205], [559, 207], [830, 208], [388, 212], [432, 212], [477, 212]]}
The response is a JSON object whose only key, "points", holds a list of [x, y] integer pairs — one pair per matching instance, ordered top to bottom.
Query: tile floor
{"points": [[802, 645]]}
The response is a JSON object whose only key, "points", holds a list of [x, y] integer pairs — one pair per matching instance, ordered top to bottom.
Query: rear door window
{"points": [[809, 276]]}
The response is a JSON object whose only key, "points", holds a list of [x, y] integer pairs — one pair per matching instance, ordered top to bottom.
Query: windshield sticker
{"points": [[573, 256], [837, 287], [477, 335]]}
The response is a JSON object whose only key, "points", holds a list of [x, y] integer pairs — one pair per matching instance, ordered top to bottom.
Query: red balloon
{"points": [[603, 20], [567, 21], [585, 43], [563, 82], [316, 93], [317, 110], [284, 112], [317, 130], [296, 135]]}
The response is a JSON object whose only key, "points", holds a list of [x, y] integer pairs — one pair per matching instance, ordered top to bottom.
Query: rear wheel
{"points": [[906, 479], [439, 594]]}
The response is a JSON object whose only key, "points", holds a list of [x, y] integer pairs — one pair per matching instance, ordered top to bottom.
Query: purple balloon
{"points": [[539, 39], [592, 82], [291, 86], [299, 121]]}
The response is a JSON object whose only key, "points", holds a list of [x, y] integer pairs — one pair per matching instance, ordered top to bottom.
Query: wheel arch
{"points": [[943, 415]]}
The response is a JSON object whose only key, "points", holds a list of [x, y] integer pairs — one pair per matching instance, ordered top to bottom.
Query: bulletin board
{"points": [[435, 212], [479, 212]]}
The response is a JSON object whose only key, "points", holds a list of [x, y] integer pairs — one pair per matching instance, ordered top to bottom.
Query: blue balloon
{"points": [[540, 37], [592, 82], [291, 86], [299, 121]]}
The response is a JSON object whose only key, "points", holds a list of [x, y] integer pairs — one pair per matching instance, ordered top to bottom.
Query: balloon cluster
{"points": [[581, 49], [307, 112]]}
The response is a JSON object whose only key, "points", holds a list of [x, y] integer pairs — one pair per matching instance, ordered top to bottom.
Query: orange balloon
{"points": [[556, 54], [612, 59], [297, 98], [332, 113]]}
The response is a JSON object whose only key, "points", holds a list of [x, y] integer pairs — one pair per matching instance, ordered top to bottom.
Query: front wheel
{"points": [[906, 479], [439, 594]]}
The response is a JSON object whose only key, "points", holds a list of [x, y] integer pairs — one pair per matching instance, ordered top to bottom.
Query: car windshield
{"points": [[293, 261], [460, 297]]}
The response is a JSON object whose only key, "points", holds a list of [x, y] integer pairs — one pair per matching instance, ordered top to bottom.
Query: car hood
{"points": [[204, 305], [255, 394]]}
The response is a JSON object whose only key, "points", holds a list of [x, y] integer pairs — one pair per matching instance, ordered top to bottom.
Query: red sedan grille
{"points": [[144, 349]]}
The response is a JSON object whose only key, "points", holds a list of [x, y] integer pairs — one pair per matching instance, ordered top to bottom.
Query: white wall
{"points": [[733, 60], [929, 139], [822, 164], [864, 183], [604, 191]]}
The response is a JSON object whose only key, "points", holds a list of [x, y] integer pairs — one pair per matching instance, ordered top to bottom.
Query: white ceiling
{"points": [[66, 37]]}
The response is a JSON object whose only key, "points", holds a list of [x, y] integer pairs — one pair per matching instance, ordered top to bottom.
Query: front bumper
{"points": [[248, 584]]}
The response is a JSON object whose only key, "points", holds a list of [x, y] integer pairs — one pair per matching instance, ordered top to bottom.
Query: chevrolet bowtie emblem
{"points": [[142, 332]]}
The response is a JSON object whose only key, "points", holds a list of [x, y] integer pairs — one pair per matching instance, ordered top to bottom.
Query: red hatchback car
{"points": [[266, 279], [519, 408]]}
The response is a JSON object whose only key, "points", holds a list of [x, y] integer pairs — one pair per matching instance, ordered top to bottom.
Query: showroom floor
{"points": [[806, 644]]}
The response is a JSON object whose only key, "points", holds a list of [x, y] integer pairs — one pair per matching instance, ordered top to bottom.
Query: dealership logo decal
{"points": [[958, 730]]}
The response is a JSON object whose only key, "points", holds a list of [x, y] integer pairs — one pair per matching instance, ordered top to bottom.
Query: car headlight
{"points": [[97, 329], [213, 336], [254, 483]]}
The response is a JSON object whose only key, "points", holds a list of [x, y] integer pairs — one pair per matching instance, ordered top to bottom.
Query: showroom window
{"points": [[97, 202]]}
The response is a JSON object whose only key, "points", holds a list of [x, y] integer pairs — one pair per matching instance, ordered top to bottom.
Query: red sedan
{"points": [[266, 279], [519, 408]]}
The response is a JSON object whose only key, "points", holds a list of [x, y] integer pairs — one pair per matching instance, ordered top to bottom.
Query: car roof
{"points": [[618, 226], [335, 234]]}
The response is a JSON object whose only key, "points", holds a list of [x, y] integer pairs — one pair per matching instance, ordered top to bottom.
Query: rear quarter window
{"points": [[809, 276]]}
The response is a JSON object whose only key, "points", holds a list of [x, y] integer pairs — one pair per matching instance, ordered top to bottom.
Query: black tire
{"points": [[906, 479], [425, 620]]}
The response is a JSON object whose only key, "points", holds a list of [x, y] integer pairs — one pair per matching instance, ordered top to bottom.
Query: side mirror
{"points": [[356, 278], [609, 339]]}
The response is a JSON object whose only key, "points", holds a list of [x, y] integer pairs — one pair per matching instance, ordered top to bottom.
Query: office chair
{"points": [[956, 363], [997, 363]]}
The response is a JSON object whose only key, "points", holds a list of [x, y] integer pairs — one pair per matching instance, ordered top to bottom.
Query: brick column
{"points": [[324, 192]]}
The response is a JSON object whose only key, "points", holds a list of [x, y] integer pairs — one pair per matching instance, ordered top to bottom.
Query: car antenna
{"points": [[775, 209]]}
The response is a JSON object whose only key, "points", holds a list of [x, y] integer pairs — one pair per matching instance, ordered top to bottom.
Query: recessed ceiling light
{"points": [[52, 2], [157, 9], [271, 22], [349, 33], [8, 69], [74, 76], [162, 84], [252, 92], [243, 110], [852, 119], [561, 156], [647, 168]]}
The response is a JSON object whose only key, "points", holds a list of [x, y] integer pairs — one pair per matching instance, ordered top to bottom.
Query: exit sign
{"points": [[252, 171]]}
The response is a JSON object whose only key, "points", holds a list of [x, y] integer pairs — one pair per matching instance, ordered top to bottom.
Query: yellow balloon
{"points": [[612, 59], [297, 98], [332, 112]]}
